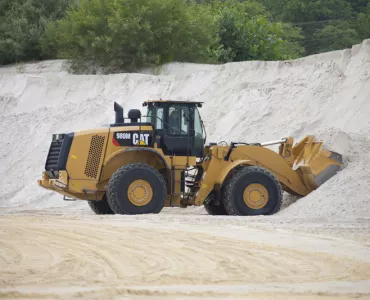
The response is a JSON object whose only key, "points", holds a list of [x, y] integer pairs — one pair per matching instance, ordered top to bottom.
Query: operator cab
{"points": [[178, 128]]}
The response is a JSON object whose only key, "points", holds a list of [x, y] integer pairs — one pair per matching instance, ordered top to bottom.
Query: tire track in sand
{"points": [[55, 252]]}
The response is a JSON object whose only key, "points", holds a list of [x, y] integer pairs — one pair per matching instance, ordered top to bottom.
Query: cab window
{"points": [[155, 116], [159, 118], [178, 120], [198, 124]]}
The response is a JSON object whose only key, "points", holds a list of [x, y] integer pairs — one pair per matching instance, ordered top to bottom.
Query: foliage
{"points": [[359, 5], [308, 10], [22, 24], [326, 24], [363, 24], [246, 33], [129, 34], [335, 36], [291, 47]]}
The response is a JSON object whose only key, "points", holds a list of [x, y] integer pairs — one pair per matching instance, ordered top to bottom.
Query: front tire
{"points": [[136, 189], [252, 191], [101, 207]]}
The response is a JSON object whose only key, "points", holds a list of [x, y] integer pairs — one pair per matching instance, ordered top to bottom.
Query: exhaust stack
{"points": [[119, 113]]}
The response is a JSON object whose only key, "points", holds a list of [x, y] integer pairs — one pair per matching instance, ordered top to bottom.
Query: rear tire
{"points": [[136, 189], [252, 191], [101, 207], [212, 209]]}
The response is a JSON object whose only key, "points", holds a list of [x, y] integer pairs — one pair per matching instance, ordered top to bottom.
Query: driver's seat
{"points": [[174, 122]]}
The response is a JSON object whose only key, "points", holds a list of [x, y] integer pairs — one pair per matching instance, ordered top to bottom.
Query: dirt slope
{"points": [[326, 95]]}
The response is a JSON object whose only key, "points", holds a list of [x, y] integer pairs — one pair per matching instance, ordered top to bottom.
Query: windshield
{"points": [[149, 115], [155, 117], [198, 125]]}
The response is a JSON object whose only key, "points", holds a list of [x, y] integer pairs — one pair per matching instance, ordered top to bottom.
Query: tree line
{"points": [[124, 35]]}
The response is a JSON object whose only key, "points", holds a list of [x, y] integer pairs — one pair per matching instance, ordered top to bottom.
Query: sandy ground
{"points": [[178, 256]]}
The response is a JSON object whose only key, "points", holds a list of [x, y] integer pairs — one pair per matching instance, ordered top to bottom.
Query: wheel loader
{"points": [[140, 164]]}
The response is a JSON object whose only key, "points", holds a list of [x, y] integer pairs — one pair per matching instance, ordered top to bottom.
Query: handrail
{"points": [[274, 142]]}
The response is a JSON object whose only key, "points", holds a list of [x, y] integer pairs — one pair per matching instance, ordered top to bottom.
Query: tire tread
{"points": [[115, 180], [229, 184], [101, 207], [214, 210]]}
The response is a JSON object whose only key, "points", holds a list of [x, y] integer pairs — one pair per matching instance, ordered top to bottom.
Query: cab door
{"points": [[179, 130], [199, 138]]}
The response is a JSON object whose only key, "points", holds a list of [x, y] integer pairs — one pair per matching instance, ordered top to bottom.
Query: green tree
{"points": [[359, 5], [275, 8], [313, 16], [316, 19], [22, 24], [363, 24], [129, 34], [246, 36], [336, 36], [291, 47]]}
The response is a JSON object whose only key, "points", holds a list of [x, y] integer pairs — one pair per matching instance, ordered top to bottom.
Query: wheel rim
{"points": [[140, 192], [255, 196]]}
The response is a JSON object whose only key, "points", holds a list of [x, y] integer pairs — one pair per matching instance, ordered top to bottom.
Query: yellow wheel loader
{"points": [[138, 165]]}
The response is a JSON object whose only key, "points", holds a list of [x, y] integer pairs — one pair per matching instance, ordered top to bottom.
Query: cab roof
{"points": [[199, 104]]}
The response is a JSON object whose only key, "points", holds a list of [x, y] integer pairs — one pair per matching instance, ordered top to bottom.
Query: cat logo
{"points": [[132, 139], [140, 139]]}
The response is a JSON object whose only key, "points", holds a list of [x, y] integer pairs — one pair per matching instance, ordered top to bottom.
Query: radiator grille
{"points": [[53, 156], [93, 160]]}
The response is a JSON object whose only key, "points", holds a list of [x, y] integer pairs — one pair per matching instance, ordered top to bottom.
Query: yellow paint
{"points": [[131, 128], [81, 149], [295, 167], [63, 177], [77, 186], [140, 192], [255, 196]]}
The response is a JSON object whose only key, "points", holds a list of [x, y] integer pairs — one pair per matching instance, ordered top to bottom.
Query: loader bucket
{"points": [[314, 164]]}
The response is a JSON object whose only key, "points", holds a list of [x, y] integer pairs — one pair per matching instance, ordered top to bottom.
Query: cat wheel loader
{"points": [[138, 165]]}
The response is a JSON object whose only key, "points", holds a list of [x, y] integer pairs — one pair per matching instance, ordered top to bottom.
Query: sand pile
{"points": [[327, 95], [348, 193]]}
